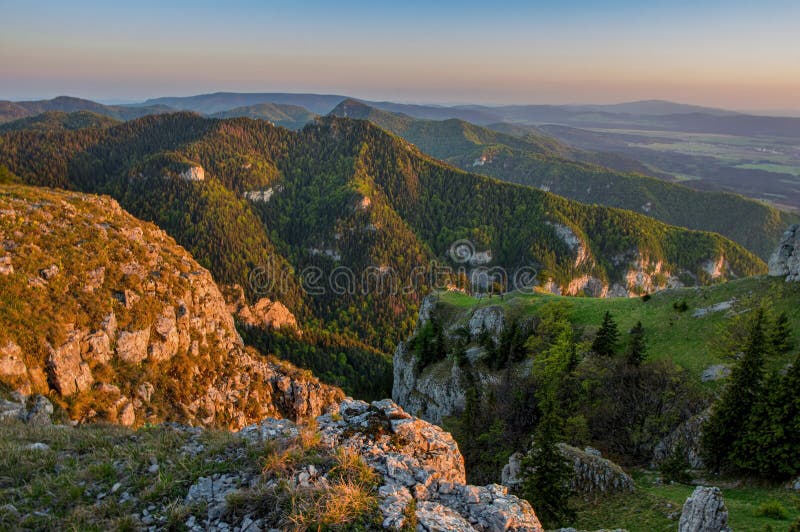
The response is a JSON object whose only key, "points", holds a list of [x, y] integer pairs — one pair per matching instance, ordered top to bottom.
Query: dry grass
{"points": [[340, 504]]}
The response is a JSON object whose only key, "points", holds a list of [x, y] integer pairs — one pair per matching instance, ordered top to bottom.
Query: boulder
{"points": [[39, 412], [704, 511]]}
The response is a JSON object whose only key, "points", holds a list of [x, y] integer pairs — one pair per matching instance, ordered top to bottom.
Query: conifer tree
{"points": [[780, 336], [606, 342], [637, 348], [731, 412], [770, 444], [548, 473]]}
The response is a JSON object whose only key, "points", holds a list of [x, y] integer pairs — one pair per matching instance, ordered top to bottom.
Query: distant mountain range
{"points": [[647, 114]]}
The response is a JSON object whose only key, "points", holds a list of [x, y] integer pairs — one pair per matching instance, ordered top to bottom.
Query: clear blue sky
{"points": [[726, 53]]}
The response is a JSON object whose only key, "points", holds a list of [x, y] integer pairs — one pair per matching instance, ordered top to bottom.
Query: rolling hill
{"points": [[67, 104], [285, 115], [59, 121], [546, 163]]}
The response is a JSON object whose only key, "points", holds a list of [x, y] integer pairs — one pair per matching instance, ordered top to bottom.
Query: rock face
{"points": [[785, 261], [128, 309], [440, 390], [684, 439], [416, 461], [592, 473], [704, 511]]}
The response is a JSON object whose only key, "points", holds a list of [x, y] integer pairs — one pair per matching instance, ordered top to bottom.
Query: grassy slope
{"points": [[670, 334], [686, 340], [649, 508]]}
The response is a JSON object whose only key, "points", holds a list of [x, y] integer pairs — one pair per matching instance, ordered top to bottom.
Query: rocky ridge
{"points": [[785, 261], [116, 322], [367, 466], [420, 472]]}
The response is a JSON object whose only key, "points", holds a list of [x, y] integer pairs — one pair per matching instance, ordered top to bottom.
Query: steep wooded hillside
{"points": [[544, 162]]}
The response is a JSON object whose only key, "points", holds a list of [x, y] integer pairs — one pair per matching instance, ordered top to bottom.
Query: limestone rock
{"points": [[193, 173], [785, 261], [490, 319], [173, 322], [132, 345], [11, 364], [68, 372], [715, 372], [40, 411], [685, 439], [416, 461], [592, 473], [704, 511]]}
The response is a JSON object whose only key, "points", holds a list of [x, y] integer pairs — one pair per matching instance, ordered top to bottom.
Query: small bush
{"points": [[646, 298], [680, 306], [676, 468], [773, 510], [795, 527]]}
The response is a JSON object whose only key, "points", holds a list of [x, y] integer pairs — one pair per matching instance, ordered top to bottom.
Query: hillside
{"points": [[67, 104], [288, 116], [59, 121], [545, 163], [335, 220], [112, 319]]}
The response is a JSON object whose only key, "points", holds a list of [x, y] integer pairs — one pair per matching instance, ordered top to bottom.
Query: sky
{"points": [[733, 54]]}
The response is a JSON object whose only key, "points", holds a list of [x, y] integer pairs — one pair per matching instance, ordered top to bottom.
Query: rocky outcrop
{"points": [[193, 173], [785, 261], [128, 309], [265, 313], [489, 319], [440, 389], [438, 392], [685, 439], [419, 466], [593, 474], [704, 511]]}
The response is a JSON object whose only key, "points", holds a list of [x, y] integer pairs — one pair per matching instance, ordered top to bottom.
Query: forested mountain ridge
{"points": [[68, 104], [289, 116], [59, 121], [544, 162], [346, 194]]}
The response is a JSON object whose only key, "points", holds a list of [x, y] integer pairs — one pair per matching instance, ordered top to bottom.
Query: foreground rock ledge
{"points": [[417, 461]]}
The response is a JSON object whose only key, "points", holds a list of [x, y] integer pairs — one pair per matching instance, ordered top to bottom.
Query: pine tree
{"points": [[780, 336], [606, 342], [637, 348], [731, 413], [770, 445], [546, 484]]}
